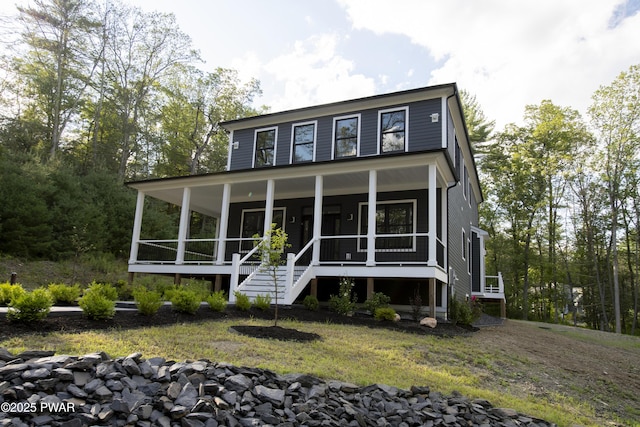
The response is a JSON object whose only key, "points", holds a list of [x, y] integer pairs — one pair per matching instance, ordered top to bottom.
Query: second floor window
{"points": [[392, 131], [346, 137], [303, 141], [265, 147]]}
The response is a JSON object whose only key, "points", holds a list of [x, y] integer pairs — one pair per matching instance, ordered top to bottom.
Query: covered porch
{"points": [[341, 244]]}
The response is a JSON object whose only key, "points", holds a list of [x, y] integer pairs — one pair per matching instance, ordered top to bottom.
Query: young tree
{"points": [[271, 247]]}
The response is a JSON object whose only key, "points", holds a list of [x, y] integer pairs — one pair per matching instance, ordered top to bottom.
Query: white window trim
{"points": [[406, 127], [333, 135], [315, 139], [255, 145], [389, 202], [284, 220], [464, 245], [469, 257]]}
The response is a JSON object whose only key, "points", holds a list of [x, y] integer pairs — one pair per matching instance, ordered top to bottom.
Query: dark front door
{"points": [[329, 248]]}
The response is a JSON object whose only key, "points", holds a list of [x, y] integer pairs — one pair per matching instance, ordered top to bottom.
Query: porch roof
{"points": [[350, 176]]}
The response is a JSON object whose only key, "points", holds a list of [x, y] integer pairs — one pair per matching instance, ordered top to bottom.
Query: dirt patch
{"points": [[593, 367]]}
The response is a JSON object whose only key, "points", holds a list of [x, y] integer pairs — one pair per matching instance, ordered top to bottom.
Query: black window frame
{"points": [[386, 129], [354, 137], [295, 143], [260, 161], [389, 244]]}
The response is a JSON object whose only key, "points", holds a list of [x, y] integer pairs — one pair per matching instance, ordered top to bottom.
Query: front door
{"points": [[329, 248]]}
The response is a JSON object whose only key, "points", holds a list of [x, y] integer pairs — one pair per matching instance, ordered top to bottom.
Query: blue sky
{"points": [[507, 53]]}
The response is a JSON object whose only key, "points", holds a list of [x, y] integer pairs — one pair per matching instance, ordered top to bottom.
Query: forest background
{"points": [[92, 97]]}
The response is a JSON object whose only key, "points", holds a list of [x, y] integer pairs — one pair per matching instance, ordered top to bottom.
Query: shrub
{"points": [[104, 289], [124, 290], [9, 292], [64, 294], [377, 300], [185, 301], [217, 301], [242, 301], [148, 302], [263, 302], [345, 302], [311, 303], [96, 305], [416, 305], [30, 306], [460, 312], [385, 313]]}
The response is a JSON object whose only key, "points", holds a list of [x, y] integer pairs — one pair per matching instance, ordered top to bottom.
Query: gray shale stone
{"points": [[155, 392]]}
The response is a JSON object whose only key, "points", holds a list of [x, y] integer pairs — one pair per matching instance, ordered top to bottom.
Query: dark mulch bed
{"points": [[75, 321]]}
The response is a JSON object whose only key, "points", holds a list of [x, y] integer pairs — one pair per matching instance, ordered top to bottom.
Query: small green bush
{"points": [[104, 289], [124, 290], [9, 292], [63, 293], [377, 300], [184, 301], [217, 301], [242, 301], [148, 302], [263, 302], [345, 302], [311, 303], [95, 305], [30, 306], [460, 312], [385, 313]]}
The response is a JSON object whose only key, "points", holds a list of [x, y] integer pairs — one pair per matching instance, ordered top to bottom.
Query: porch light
{"points": [[435, 117], [236, 144], [292, 219]]}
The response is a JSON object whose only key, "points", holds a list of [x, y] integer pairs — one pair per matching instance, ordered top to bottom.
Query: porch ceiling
{"points": [[290, 183]]}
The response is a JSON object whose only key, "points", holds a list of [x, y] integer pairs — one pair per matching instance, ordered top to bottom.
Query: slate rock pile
{"points": [[44, 389]]}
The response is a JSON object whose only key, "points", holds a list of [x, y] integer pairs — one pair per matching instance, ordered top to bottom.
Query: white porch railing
{"points": [[494, 285]]}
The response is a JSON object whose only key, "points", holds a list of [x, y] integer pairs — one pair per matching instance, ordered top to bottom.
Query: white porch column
{"points": [[268, 206], [371, 218], [433, 219], [317, 220], [223, 224], [137, 225], [183, 231]]}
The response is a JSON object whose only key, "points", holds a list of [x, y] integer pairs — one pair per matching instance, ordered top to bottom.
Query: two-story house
{"points": [[382, 189]]}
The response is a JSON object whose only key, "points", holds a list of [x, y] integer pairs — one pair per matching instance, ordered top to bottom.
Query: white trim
{"points": [[445, 121], [406, 128], [333, 135], [315, 140], [255, 144], [230, 151], [414, 202], [137, 226], [183, 229], [464, 244]]}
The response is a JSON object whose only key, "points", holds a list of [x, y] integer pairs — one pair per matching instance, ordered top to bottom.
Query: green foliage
{"points": [[104, 289], [124, 290], [9, 292], [63, 293], [377, 300], [147, 301], [185, 301], [217, 301], [242, 301], [262, 302], [345, 302], [95, 303], [311, 303], [416, 305], [30, 306], [385, 313], [464, 313]]}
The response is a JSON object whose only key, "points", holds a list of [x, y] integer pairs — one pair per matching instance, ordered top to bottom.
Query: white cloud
{"points": [[510, 54], [311, 73]]}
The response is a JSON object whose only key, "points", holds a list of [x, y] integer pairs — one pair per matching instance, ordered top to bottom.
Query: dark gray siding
{"points": [[423, 134]]}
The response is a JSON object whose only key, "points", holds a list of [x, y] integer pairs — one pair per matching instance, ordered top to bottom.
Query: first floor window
{"points": [[265, 147], [391, 218], [253, 224]]}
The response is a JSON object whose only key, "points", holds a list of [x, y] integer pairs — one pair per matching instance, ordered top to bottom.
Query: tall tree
{"points": [[142, 49], [57, 65], [197, 103], [615, 115], [480, 128]]}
